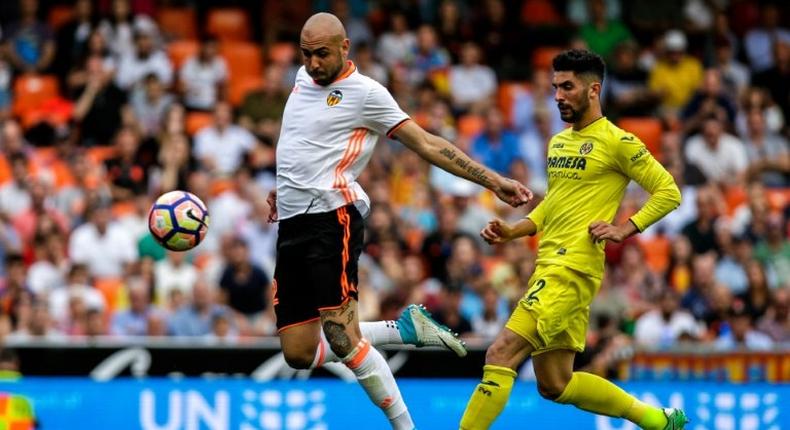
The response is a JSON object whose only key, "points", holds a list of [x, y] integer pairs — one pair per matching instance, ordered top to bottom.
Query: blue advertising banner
{"points": [[329, 404]]}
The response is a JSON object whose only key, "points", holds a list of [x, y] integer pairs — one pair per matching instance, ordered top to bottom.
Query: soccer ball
{"points": [[178, 220]]}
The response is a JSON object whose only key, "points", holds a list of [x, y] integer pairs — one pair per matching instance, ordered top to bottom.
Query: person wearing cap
{"points": [[676, 75]]}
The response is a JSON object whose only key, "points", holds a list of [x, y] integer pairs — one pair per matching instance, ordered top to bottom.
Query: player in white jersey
{"points": [[331, 123]]}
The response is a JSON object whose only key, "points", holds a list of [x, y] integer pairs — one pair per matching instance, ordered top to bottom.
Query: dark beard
{"points": [[330, 78], [575, 115]]}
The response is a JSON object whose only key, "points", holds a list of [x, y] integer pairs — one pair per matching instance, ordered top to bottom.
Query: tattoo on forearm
{"points": [[447, 152], [476, 173], [337, 337]]}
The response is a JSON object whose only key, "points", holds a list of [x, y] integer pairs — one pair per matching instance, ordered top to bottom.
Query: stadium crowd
{"points": [[104, 105]]}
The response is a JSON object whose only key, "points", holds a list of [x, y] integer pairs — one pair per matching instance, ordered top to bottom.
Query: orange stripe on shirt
{"points": [[353, 150]]}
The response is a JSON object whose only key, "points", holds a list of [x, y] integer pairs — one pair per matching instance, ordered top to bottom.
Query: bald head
{"points": [[324, 47]]}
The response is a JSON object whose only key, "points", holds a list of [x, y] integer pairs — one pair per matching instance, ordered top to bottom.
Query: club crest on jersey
{"points": [[334, 98], [586, 148]]}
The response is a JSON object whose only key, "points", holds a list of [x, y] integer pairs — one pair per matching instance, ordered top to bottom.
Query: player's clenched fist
{"points": [[497, 231]]}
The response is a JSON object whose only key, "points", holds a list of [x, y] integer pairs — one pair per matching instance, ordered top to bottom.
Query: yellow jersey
{"points": [[588, 171]]}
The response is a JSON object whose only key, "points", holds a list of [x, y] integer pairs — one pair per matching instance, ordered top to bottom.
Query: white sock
{"points": [[377, 332], [375, 377]]}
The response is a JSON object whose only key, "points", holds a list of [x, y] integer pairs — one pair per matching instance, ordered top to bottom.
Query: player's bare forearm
{"points": [[524, 227]]}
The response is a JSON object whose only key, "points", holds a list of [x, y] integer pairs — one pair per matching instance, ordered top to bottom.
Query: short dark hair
{"points": [[580, 62]]}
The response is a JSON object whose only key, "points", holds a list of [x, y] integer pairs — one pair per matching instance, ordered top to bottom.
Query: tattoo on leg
{"points": [[350, 317], [337, 337]]}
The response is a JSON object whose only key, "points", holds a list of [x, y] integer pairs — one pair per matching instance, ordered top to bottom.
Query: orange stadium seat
{"points": [[539, 12], [59, 15], [177, 22], [228, 24], [180, 51], [282, 53], [544, 55], [244, 59], [240, 87], [32, 91], [506, 96], [197, 121], [470, 125], [648, 130], [98, 154], [5, 169], [778, 198], [656, 250], [111, 289]]}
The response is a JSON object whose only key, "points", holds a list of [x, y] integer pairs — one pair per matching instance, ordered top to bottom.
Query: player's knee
{"points": [[497, 354], [299, 359], [551, 390]]}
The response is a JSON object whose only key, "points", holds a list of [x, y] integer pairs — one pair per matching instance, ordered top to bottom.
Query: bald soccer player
{"points": [[332, 121]]}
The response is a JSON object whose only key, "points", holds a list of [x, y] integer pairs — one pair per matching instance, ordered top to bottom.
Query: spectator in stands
{"points": [[120, 27], [357, 29], [602, 34], [72, 38], [29, 42], [760, 42], [396, 45], [428, 55], [143, 60], [368, 66], [78, 74], [676, 75], [735, 76], [203, 79], [776, 79], [472, 85], [5, 89], [626, 92], [539, 97], [756, 98], [710, 100], [99, 103], [149, 105], [261, 110], [497, 146], [533, 146], [221, 147], [768, 153], [719, 155], [175, 163], [125, 172], [15, 194], [72, 198], [41, 212], [673, 222], [701, 232], [260, 234], [9, 241], [437, 246], [106, 248], [774, 251], [732, 262], [50, 265], [173, 273], [77, 286], [244, 286], [14, 290], [757, 296], [698, 298], [449, 311], [195, 319], [134, 321], [776, 322], [488, 323], [95, 324], [38, 326], [661, 328], [222, 330], [742, 334]]}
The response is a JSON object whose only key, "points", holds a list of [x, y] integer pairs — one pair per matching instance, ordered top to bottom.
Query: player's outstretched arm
{"points": [[444, 154], [498, 231]]}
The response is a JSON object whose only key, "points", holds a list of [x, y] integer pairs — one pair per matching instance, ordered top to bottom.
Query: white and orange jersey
{"points": [[327, 137]]}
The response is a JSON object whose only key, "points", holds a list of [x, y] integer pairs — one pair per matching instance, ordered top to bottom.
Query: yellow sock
{"points": [[595, 394], [489, 398]]}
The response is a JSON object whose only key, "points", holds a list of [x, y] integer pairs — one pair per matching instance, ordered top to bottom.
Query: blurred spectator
{"points": [[579, 11], [651, 17], [120, 27], [452, 27], [357, 29], [496, 31], [602, 34], [73, 37], [760, 42], [397, 44], [30, 45], [428, 55], [143, 60], [368, 66], [676, 75], [735, 76], [203, 79], [776, 79], [472, 85], [5, 89], [626, 92], [540, 97], [756, 98], [711, 99], [149, 105], [98, 107], [261, 110], [533, 146], [221, 147], [496, 147], [768, 153], [719, 155], [175, 163], [125, 172], [15, 194], [72, 198], [41, 212], [747, 221], [673, 222], [701, 232], [260, 234], [9, 241], [437, 246], [106, 248], [774, 250], [734, 257], [50, 264], [173, 273], [244, 286], [76, 287], [14, 291], [757, 296], [698, 298], [449, 312], [196, 318], [134, 321], [776, 322], [489, 323], [95, 324], [39, 325], [662, 327], [222, 330], [742, 334], [607, 349]]}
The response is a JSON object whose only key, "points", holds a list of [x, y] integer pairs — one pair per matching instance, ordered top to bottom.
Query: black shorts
{"points": [[317, 261]]}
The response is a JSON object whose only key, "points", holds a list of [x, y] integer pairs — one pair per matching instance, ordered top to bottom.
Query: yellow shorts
{"points": [[555, 311]]}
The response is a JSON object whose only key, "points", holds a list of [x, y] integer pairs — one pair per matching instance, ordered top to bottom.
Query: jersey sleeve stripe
{"points": [[397, 126]]}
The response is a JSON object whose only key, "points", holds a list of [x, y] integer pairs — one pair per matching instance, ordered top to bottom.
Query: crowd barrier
{"points": [[329, 403]]}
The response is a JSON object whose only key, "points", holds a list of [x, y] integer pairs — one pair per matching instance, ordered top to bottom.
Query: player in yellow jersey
{"points": [[589, 167]]}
